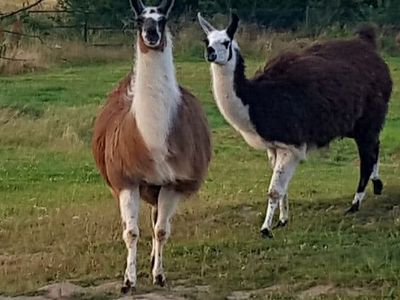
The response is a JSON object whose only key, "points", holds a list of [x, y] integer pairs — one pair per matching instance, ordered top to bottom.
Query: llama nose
{"points": [[152, 36], [211, 55]]}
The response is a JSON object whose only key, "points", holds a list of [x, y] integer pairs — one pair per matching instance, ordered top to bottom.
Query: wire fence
{"points": [[84, 27]]}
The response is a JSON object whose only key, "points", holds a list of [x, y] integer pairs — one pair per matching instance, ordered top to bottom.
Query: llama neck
{"points": [[229, 84], [156, 95]]}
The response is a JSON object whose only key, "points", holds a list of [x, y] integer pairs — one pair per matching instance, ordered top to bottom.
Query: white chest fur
{"points": [[156, 100], [231, 107]]}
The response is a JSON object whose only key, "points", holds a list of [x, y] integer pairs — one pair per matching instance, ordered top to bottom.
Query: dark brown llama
{"points": [[302, 101], [151, 140]]}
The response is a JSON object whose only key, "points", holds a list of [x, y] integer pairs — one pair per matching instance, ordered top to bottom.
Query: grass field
{"points": [[58, 220]]}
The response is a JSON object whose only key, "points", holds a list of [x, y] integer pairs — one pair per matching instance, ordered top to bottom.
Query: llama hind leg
{"points": [[368, 159], [285, 166], [377, 182], [284, 202], [167, 203], [129, 207], [154, 213]]}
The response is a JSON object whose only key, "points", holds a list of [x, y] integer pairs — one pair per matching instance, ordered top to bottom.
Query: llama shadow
{"points": [[385, 206], [373, 208]]}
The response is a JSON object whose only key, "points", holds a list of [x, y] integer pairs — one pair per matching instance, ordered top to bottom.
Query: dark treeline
{"points": [[278, 14]]}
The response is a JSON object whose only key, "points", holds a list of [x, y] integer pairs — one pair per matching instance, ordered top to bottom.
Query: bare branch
{"points": [[20, 10], [27, 35], [14, 59]]}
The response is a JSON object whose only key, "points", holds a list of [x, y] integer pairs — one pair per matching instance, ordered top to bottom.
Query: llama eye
{"points": [[206, 42], [226, 44]]}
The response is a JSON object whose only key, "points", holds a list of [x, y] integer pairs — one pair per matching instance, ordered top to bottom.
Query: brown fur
{"points": [[398, 40], [124, 160]]}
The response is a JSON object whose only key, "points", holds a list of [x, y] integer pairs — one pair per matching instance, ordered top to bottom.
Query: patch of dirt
{"points": [[106, 288], [64, 290], [67, 290], [292, 290], [331, 290], [317, 291], [244, 295], [152, 296], [24, 298]]}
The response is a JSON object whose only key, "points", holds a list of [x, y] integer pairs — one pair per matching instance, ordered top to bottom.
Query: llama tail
{"points": [[367, 33]]}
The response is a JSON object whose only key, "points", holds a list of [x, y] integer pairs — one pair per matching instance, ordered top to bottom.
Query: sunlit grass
{"points": [[58, 220]]}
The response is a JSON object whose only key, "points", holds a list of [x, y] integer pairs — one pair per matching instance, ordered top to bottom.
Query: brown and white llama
{"points": [[301, 102], [151, 139]]}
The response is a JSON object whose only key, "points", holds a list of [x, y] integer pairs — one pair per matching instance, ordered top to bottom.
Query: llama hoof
{"points": [[378, 186], [353, 209], [281, 224], [266, 233], [160, 280], [127, 287]]}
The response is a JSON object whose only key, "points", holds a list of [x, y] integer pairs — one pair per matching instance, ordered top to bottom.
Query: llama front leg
{"points": [[286, 163], [284, 202], [167, 203], [129, 207], [283, 211]]}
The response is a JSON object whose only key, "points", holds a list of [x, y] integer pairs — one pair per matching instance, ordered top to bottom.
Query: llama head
{"points": [[151, 22], [219, 43]]}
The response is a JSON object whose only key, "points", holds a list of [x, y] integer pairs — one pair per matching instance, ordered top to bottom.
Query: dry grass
{"points": [[10, 5], [255, 41], [77, 51], [34, 56], [27, 59], [46, 128]]}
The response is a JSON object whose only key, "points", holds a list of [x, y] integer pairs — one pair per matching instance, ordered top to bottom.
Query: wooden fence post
{"points": [[308, 18], [86, 27]]}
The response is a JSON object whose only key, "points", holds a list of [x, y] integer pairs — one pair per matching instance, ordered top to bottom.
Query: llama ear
{"points": [[166, 6], [137, 7], [207, 27], [233, 27]]}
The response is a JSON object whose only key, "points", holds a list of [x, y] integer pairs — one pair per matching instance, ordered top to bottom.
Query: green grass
{"points": [[58, 220]]}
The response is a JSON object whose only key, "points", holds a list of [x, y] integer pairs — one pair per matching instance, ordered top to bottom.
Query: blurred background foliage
{"points": [[277, 14]]}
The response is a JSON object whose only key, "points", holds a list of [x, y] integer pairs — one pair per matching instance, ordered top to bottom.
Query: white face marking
{"points": [[151, 13], [220, 42], [129, 201]]}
